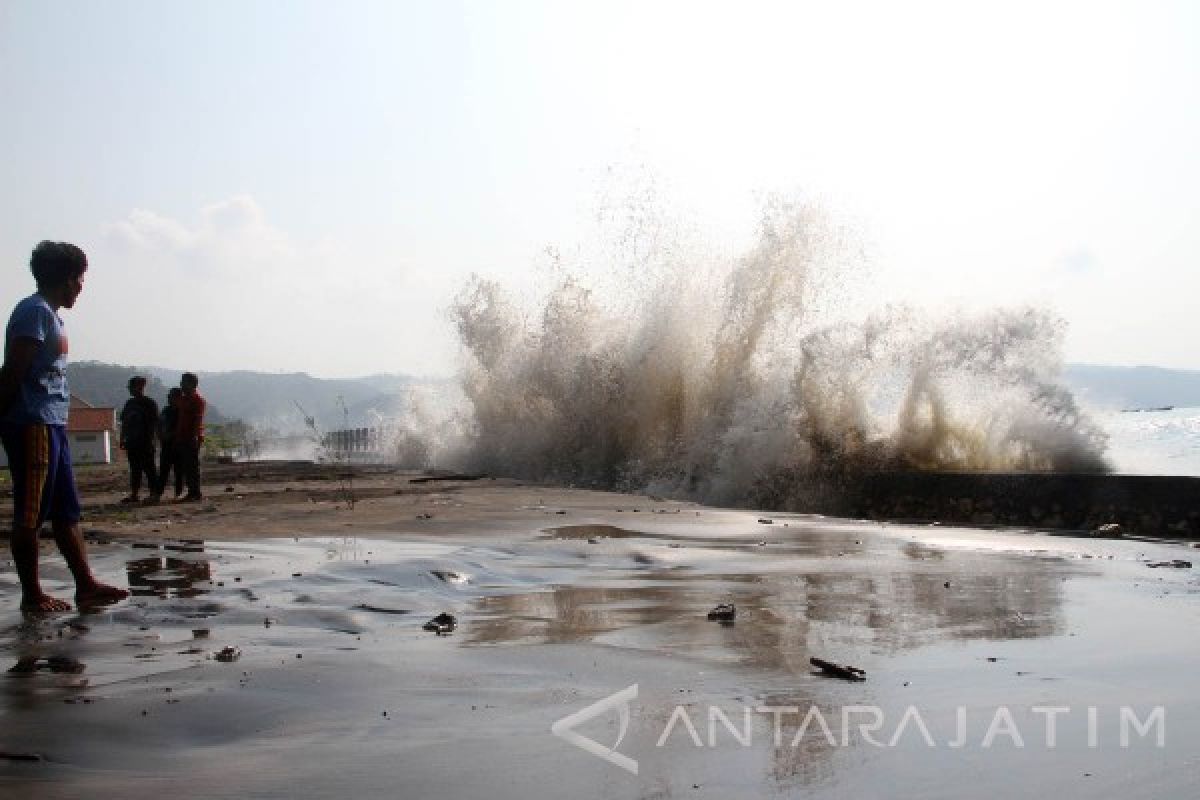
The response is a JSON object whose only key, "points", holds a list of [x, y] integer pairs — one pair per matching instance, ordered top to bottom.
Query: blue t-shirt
{"points": [[44, 396]]}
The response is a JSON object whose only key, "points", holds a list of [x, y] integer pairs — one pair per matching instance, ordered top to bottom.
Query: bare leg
{"points": [[24, 544], [88, 591]]}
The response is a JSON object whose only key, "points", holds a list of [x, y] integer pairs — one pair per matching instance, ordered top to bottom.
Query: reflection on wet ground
{"points": [[166, 576], [797, 592], [908, 596], [226, 613]]}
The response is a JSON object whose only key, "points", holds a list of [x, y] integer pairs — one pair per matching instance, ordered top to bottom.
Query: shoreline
{"points": [[279, 498]]}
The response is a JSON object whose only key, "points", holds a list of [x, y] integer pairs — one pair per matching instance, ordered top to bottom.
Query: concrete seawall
{"points": [[1167, 506]]}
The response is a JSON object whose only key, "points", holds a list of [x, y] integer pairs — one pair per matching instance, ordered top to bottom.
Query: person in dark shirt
{"points": [[139, 428], [169, 453]]}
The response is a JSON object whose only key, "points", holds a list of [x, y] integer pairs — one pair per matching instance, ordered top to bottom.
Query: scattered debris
{"points": [[425, 515], [765, 521], [1175, 563], [723, 613], [442, 624], [228, 654], [845, 672]]}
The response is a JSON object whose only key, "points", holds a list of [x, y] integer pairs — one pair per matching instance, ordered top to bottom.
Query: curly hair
{"points": [[55, 263]]}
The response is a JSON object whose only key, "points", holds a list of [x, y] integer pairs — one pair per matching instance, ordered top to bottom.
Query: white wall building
{"points": [[91, 430]]}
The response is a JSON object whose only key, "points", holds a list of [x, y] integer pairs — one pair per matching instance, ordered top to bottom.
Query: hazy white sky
{"points": [[303, 186]]}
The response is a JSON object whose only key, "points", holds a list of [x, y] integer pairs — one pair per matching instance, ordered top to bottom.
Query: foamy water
{"points": [[737, 379]]}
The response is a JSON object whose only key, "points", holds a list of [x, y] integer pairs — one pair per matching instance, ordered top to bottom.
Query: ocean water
{"points": [[1153, 442]]}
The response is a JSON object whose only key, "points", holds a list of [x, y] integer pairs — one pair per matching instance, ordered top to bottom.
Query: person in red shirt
{"points": [[189, 435]]}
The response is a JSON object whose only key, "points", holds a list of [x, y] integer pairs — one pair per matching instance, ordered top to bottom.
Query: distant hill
{"points": [[106, 385], [1133, 387], [263, 399], [269, 400]]}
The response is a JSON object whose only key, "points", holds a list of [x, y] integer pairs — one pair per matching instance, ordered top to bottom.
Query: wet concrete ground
{"points": [[338, 691]]}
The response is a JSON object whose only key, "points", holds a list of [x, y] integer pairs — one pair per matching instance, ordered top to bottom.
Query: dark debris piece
{"points": [[1175, 563], [381, 609], [723, 613], [442, 624], [228, 654], [845, 672]]}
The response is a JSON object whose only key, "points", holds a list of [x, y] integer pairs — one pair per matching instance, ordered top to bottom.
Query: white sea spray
{"points": [[745, 380]]}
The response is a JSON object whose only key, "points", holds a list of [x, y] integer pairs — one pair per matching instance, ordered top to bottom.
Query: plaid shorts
{"points": [[39, 458]]}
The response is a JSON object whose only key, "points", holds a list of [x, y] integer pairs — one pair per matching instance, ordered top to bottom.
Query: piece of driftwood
{"points": [[448, 477], [1175, 563], [845, 672], [8, 756]]}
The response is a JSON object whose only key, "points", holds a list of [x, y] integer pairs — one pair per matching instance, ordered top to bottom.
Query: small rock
{"points": [[765, 521], [725, 612], [442, 624], [227, 654]]}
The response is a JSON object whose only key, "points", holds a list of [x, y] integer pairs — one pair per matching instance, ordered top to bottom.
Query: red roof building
{"points": [[91, 431]]}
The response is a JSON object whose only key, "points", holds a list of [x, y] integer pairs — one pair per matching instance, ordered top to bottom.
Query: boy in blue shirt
{"points": [[33, 426]]}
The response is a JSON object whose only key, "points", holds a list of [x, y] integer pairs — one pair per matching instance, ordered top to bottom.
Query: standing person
{"points": [[34, 402], [139, 422], [189, 435], [169, 454]]}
